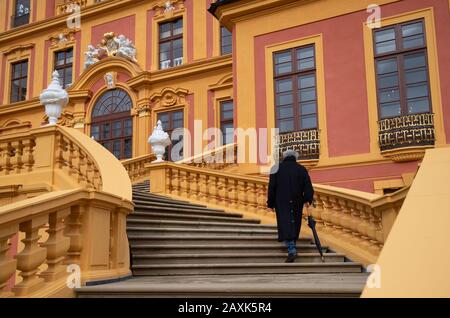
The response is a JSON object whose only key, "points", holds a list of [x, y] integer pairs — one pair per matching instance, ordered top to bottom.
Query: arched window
{"points": [[112, 125]]}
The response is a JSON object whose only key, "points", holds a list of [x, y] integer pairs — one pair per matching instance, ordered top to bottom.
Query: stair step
{"points": [[163, 200], [140, 201], [181, 210], [190, 217], [131, 222], [137, 231], [200, 239], [148, 249], [224, 258], [245, 268], [233, 286]]}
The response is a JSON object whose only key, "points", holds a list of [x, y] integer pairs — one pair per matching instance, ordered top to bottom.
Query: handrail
{"points": [[351, 221]]}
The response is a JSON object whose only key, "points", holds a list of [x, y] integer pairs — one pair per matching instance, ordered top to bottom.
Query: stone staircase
{"points": [[179, 249]]}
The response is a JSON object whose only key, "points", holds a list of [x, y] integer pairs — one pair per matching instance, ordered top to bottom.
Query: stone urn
{"points": [[54, 98], [159, 140]]}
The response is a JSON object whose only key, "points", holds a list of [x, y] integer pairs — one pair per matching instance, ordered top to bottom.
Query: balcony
{"points": [[19, 20], [405, 138], [305, 142]]}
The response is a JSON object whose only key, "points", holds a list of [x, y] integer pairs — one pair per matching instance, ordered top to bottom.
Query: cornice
{"points": [[59, 21], [190, 69], [21, 106]]}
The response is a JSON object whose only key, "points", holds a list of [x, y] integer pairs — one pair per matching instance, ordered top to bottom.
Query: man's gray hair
{"points": [[291, 153]]}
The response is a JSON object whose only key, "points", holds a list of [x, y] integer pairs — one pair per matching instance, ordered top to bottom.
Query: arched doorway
{"points": [[112, 125]]}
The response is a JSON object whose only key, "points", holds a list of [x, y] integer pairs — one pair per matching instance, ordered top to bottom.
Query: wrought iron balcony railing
{"points": [[406, 131], [305, 142]]}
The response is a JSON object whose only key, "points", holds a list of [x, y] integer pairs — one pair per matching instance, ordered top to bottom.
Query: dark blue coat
{"points": [[289, 188]]}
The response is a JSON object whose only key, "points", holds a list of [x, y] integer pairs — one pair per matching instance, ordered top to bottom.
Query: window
{"points": [[21, 13], [226, 41], [171, 44], [64, 64], [402, 70], [19, 81], [295, 89], [171, 121], [227, 121], [112, 125]]}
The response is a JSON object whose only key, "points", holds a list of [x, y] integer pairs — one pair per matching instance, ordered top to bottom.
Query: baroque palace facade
{"points": [[360, 91], [361, 105]]}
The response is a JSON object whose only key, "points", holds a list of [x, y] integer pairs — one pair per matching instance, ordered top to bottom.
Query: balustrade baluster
{"points": [[73, 232], [57, 245], [32, 256], [7, 263]]}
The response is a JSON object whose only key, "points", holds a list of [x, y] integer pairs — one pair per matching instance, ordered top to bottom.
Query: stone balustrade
{"points": [[217, 158], [136, 167], [73, 212], [352, 221], [84, 229]]}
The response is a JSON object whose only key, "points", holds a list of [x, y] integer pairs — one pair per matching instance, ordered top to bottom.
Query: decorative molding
{"points": [[167, 9], [63, 38], [18, 48], [110, 80], [224, 82], [169, 97], [406, 154]]}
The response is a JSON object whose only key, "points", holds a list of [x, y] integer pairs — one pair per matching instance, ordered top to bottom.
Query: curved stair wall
{"points": [[76, 217], [351, 222]]}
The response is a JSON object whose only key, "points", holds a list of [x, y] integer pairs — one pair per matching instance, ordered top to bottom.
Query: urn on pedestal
{"points": [[54, 98], [159, 140]]}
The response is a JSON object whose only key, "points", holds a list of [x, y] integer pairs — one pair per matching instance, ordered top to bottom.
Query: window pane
{"points": [[178, 27], [412, 29], [164, 30], [384, 35], [413, 41], [385, 47], [306, 52], [283, 57], [415, 61], [306, 63], [387, 66], [25, 68], [283, 68], [16, 70], [416, 76], [307, 81], [388, 81], [284, 85], [414, 91], [307, 94], [389, 95], [284, 99], [226, 106], [418, 106], [308, 108], [390, 110], [285, 112], [308, 122], [286, 125], [128, 127], [117, 129], [106, 131], [95, 132], [116, 148], [127, 149]]}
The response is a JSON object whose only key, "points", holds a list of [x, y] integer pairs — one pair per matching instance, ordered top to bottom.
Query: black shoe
{"points": [[291, 258]]}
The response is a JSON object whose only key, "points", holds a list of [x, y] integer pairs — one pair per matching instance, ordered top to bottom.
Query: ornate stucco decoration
{"points": [[168, 8], [63, 37], [111, 45], [18, 50], [110, 80], [169, 97], [54, 98], [143, 108], [159, 140]]}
